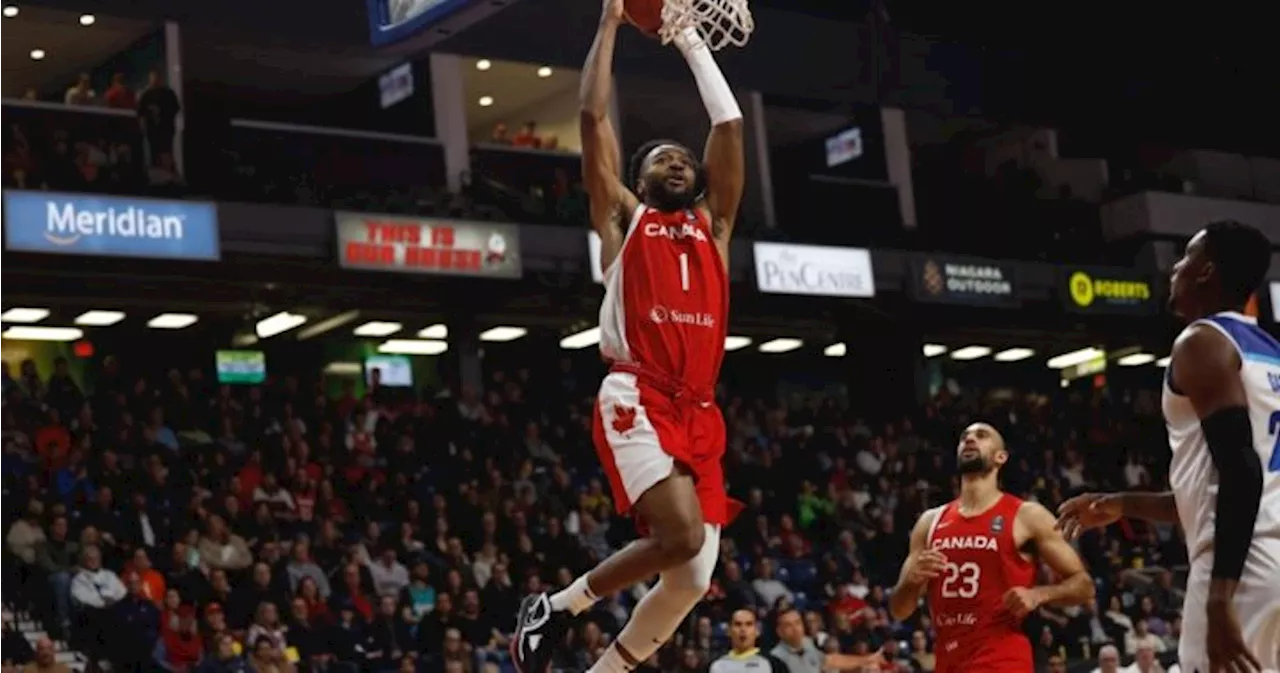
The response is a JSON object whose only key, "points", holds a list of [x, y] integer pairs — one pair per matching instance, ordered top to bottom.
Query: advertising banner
{"points": [[81, 224], [428, 246], [813, 270], [973, 281], [1274, 288], [1107, 290]]}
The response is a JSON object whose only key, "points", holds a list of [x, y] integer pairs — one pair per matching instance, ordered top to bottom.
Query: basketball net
{"points": [[720, 22]]}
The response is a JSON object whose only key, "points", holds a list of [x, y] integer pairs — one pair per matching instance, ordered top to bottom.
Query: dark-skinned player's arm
{"points": [[723, 157], [611, 201], [1206, 369], [922, 564], [1074, 586]]}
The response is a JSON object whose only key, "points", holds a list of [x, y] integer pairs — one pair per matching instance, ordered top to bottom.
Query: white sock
{"points": [[576, 598], [611, 662]]}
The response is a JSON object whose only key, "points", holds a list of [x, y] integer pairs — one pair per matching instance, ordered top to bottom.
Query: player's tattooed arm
{"points": [[1074, 585]]}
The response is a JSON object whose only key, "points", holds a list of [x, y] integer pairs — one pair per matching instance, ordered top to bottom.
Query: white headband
{"points": [[648, 158]]}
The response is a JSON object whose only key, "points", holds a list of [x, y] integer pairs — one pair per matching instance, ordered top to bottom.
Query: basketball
{"points": [[644, 14]]}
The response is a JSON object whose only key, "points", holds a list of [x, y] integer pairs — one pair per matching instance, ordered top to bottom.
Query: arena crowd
{"points": [[169, 523]]}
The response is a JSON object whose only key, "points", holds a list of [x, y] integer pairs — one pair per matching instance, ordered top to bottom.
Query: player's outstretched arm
{"points": [[723, 158], [611, 201], [1206, 368], [1099, 510], [922, 565], [1074, 587]]}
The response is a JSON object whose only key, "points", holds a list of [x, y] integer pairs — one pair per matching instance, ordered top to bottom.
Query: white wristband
{"points": [[716, 95]]}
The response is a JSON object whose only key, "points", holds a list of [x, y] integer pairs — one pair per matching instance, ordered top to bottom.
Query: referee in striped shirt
{"points": [[744, 656]]}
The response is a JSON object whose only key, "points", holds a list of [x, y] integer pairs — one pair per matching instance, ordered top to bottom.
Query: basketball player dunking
{"points": [[1221, 402], [657, 429], [976, 557]]}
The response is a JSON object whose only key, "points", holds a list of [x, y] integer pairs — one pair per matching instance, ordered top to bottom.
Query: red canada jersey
{"points": [[666, 298], [974, 630]]}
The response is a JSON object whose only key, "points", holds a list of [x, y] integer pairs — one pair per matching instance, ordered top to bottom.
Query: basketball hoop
{"points": [[719, 22]]}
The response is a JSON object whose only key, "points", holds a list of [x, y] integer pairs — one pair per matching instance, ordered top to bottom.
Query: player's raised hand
{"points": [[612, 11], [1086, 512], [927, 565], [1225, 644]]}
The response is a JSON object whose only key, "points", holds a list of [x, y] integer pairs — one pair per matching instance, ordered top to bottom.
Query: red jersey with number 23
{"points": [[666, 302], [975, 632]]}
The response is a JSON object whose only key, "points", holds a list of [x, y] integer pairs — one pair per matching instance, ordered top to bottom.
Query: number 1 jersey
{"points": [[666, 298], [975, 632]]}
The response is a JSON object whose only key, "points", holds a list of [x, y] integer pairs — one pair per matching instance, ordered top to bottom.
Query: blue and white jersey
{"points": [[1192, 475]]}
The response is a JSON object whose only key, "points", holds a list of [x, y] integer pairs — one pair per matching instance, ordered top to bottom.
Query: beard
{"points": [[663, 198], [975, 465]]}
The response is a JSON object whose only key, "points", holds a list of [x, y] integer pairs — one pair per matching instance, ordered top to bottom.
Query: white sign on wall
{"points": [[813, 270]]}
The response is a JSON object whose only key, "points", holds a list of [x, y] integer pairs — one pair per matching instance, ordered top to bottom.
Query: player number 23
{"points": [[961, 580]]}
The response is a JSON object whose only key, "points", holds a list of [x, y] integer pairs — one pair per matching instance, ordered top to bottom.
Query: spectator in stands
{"points": [[81, 93], [119, 95], [158, 109], [501, 134], [528, 136], [25, 536], [222, 549], [57, 557], [767, 587], [95, 590], [1142, 637], [181, 650], [46, 659], [225, 659], [1108, 660]]}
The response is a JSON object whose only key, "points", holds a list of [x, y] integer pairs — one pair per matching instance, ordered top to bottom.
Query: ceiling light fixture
{"points": [[10, 11], [87, 19], [37, 54], [484, 64], [544, 72], [486, 101], [24, 315], [98, 318], [172, 321], [278, 324], [326, 325], [377, 328], [437, 331], [36, 333], [502, 334], [583, 339], [733, 343], [783, 345], [413, 347], [836, 350], [933, 350], [970, 353], [1014, 354], [1075, 357], [1135, 359], [1164, 361]]}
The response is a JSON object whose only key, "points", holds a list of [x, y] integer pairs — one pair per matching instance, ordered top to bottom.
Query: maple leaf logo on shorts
{"points": [[624, 419]]}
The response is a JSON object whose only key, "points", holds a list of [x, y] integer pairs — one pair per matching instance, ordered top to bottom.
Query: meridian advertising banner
{"points": [[112, 226]]}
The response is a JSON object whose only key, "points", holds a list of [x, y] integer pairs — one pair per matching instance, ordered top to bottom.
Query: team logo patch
{"points": [[624, 419], [997, 525]]}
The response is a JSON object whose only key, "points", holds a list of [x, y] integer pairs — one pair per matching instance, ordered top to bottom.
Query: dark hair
{"points": [[636, 165], [1241, 254]]}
